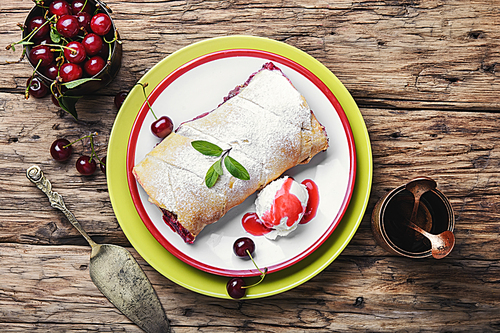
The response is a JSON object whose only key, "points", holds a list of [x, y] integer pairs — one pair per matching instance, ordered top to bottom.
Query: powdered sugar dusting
{"points": [[263, 123]]}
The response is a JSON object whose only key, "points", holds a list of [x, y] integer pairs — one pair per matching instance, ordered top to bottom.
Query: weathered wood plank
{"points": [[432, 54], [56, 291]]}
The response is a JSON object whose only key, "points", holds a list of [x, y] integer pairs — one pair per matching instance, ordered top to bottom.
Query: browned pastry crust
{"points": [[269, 128]]}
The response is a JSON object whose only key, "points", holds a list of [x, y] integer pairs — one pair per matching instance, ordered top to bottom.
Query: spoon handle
{"points": [[37, 177]]}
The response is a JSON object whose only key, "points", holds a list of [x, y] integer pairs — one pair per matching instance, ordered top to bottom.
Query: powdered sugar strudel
{"points": [[269, 128]]}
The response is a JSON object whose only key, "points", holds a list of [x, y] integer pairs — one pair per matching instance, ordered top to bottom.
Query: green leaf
{"points": [[55, 36], [76, 83], [68, 103], [206, 148], [218, 167], [235, 168], [211, 177]]}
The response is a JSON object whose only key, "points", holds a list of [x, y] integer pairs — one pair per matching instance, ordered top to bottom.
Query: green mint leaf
{"points": [[55, 36], [76, 83], [206, 148], [218, 167], [235, 168], [211, 177]]}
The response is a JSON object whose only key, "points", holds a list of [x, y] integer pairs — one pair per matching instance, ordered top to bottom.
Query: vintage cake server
{"points": [[113, 270]]}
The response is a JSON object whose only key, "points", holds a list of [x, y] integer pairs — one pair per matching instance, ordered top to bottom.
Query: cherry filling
{"points": [[171, 220], [253, 225]]}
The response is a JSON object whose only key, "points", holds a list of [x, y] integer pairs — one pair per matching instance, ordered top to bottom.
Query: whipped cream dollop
{"points": [[281, 205]]}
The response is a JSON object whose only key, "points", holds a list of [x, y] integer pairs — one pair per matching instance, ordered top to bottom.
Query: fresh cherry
{"points": [[77, 6], [60, 8], [83, 19], [37, 22], [100, 24], [68, 26], [44, 41], [92, 43], [43, 53], [104, 53], [78, 54], [94, 65], [51, 71], [70, 72], [36, 88], [120, 98], [54, 99], [162, 127], [61, 150], [85, 165], [102, 165], [242, 245], [234, 288]]}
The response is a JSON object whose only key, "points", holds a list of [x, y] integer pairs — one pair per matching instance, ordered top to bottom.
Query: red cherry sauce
{"points": [[312, 202], [285, 204], [253, 225]]}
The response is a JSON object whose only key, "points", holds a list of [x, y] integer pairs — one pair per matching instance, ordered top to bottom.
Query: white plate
{"points": [[200, 86]]}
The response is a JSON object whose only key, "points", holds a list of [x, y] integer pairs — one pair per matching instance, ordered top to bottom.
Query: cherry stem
{"points": [[84, 4], [30, 35], [73, 51], [26, 92], [147, 100], [92, 149], [262, 274]]}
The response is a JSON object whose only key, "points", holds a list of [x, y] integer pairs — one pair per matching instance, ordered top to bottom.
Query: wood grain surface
{"points": [[425, 75]]}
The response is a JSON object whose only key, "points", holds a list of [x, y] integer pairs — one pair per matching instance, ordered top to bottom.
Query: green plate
{"points": [[176, 270]]}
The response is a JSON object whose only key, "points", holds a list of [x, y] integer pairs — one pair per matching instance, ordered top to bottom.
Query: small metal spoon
{"points": [[418, 187], [441, 244], [113, 270]]}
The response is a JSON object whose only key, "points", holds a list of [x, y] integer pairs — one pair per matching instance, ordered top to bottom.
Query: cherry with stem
{"points": [[162, 126]]}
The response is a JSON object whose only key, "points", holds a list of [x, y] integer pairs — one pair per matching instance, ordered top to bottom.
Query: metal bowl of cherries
{"points": [[73, 47]]}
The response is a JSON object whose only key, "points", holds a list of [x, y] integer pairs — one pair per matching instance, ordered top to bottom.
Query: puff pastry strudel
{"points": [[268, 126]]}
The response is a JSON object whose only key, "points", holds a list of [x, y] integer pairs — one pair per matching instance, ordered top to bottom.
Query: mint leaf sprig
{"points": [[215, 171]]}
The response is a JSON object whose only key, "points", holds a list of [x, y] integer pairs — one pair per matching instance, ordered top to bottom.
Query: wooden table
{"points": [[425, 75]]}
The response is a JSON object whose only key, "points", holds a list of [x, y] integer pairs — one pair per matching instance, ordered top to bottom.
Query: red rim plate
{"points": [[138, 123]]}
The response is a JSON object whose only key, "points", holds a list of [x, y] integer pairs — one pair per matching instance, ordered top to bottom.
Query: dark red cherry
{"points": [[77, 6], [60, 8], [83, 19], [37, 22], [100, 24], [68, 26], [44, 41], [92, 43], [43, 53], [104, 53], [77, 55], [94, 65], [51, 71], [70, 72], [37, 89], [120, 98], [54, 100], [162, 127], [61, 150], [102, 165], [85, 166], [241, 245], [234, 288]]}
